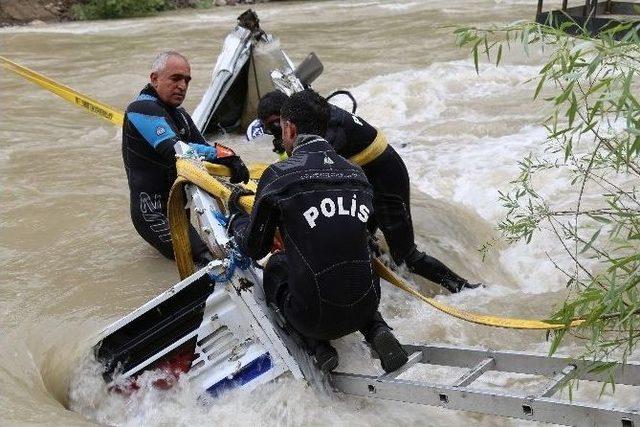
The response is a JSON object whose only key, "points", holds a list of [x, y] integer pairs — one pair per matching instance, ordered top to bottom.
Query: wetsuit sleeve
{"points": [[156, 127], [347, 133], [254, 234]]}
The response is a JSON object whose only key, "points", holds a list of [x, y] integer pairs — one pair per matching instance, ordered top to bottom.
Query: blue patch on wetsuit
{"points": [[154, 129]]}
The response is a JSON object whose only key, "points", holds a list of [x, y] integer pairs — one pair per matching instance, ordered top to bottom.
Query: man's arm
{"points": [[155, 125], [348, 133], [254, 234]]}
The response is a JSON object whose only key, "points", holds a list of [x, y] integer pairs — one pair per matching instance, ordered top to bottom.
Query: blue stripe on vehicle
{"points": [[145, 97], [152, 128], [253, 370]]}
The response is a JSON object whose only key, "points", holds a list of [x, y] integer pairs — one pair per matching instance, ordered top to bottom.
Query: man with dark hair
{"points": [[269, 114], [154, 122], [354, 138], [323, 282]]}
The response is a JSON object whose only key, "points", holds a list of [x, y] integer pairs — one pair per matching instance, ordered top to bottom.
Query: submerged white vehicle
{"points": [[215, 328]]}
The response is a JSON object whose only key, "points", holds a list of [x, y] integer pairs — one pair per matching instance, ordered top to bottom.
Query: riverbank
{"points": [[39, 12]]}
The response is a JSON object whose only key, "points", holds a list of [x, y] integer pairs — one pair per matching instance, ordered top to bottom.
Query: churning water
{"points": [[71, 262]]}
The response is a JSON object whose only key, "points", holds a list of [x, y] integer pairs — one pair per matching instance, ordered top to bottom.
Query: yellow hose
{"points": [[190, 172]]}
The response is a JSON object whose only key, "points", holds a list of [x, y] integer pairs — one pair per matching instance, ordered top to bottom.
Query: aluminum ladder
{"points": [[462, 395]]}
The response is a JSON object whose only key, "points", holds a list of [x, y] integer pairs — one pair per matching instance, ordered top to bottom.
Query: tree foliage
{"points": [[112, 9], [593, 139]]}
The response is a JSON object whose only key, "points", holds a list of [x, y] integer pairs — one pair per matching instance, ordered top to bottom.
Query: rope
{"points": [[191, 172]]}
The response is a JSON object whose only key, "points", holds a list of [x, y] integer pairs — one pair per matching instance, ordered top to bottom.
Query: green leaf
{"points": [[486, 49], [499, 56], [475, 57], [539, 86], [565, 94], [573, 107], [635, 148], [600, 219], [591, 241]]}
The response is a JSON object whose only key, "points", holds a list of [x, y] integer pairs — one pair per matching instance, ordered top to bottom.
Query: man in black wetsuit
{"points": [[154, 122], [352, 137], [323, 282]]}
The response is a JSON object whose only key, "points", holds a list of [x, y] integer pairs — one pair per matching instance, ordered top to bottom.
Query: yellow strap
{"points": [[96, 107], [372, 152], [367, 155], [189, 171], [255, 171], [179, 228], [481, 319]]}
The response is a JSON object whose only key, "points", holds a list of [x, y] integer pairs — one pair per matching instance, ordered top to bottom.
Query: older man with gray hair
{"points": [[154, 122]]}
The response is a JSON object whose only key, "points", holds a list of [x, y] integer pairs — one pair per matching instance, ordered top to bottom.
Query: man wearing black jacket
{"points": [[154, 122], [351, 136], [323, 282]]}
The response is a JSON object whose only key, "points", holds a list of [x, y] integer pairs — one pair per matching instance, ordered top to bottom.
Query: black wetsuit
{"points": [[149, 132], [349, 135], [323, 281]]}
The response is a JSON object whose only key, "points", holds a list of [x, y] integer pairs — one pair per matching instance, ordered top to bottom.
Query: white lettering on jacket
{"points": [[329, 208]]}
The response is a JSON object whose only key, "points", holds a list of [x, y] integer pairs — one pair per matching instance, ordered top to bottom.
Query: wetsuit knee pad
{"points": [[275, 283]]}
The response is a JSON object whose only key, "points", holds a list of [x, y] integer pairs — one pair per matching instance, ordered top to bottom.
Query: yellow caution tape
{"points": [[96, 107]]}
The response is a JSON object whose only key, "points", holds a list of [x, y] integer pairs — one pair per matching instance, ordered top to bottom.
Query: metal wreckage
{"points": [[215, 328]]}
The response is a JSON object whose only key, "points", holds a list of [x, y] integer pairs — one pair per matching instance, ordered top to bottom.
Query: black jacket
{"points": [[348, 133], [321, 203]]}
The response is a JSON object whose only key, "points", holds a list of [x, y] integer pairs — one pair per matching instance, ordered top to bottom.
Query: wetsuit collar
{"points": [[150, 91], [310, 143]]}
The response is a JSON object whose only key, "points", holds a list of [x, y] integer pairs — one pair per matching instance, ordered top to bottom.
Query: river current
{"points": [[71, 262]]}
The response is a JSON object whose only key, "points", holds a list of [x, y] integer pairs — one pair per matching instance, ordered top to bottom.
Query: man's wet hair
{"points": [[270, 104], [308, 111]]}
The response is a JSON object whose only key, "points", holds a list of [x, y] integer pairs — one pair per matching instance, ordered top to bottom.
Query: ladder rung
{"points": [[416, 357], [483, 366], [558, 381]]}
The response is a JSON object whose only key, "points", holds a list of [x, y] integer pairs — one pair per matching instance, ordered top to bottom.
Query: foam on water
{"points": [[461, 144], [77, 264]]}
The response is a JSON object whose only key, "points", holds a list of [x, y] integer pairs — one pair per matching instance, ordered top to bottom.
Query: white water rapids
{"points": [[71, 262]]}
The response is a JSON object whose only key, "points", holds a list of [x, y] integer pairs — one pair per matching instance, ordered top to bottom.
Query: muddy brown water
{"points": [[71, 262]]}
